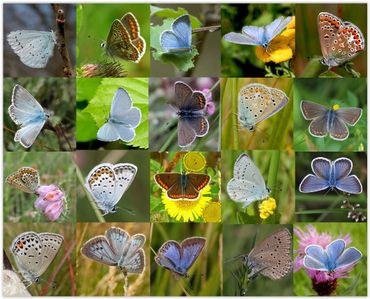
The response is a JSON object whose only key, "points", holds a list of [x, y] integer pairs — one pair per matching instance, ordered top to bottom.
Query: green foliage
{"points": [[93, 25], [182, 61], [328, 92], [55, 95], [95, 98], [272, 133], [277, 168], [326, 205], [205, 278], [356, 283]]}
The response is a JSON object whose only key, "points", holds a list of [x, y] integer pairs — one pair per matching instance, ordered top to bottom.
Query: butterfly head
{"points": [[103, 44]]}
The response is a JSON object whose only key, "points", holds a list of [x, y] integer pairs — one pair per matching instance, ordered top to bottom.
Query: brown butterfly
{"points": [[124, 40], [25, 179], [182, 186]]}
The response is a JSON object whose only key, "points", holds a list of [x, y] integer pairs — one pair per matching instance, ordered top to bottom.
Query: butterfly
{"points": [[258, 36], [178, 39], [124, 40], [339, 41], [34, 48], [257, 102], [190, 107], [29, 114], [122, 121], [329, 121], [332, 175], [25, 179], [107, 183], [247, 185], [181, 186], [117, 248], [34, 252], [272, 257], [334, 257], [178, 258]]}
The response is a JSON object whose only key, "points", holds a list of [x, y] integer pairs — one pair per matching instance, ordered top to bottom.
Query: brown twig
{"points": [[62, 46], [6, 263]]}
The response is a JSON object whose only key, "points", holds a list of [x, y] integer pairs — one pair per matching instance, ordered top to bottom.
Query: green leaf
{"points": [[182, 61], [137, 88], [86, 127]]}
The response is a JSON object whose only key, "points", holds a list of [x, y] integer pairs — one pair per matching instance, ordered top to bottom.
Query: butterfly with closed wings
{"points": [[258, 36], [124, 40], [29, 114], [122, 121], [332, 122], [26, 179], [107, 183], [247, 185], [117, 248], [179, 257]]}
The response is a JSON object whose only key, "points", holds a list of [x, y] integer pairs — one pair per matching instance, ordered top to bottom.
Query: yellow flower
{"points": [[281, 48], [336, 107], [194, 161], [267, 208], [186, 209], [212, 213]]}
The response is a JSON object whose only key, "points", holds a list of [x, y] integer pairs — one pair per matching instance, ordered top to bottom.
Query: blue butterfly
{"points": [[258, 36], [178, 39], [29, 114], [122, 121], [331, 174], [334, 257], [178, 258]]}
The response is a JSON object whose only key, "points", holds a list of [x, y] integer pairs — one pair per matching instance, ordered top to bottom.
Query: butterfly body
{"points": [[258, 36], [178, 39], [124, 40], [340, 41], [257, 102], [330, 122], [331, 175], [107, 183], [247, 185], [181, 186], [117, 248], [34, 252], [335, 256], [179, 257]]}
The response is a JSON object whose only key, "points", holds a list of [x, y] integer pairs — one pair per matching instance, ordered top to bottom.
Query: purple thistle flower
{"points": [[210, 105]]}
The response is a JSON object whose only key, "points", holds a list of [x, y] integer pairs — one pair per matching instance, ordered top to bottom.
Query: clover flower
{"points": [[50, 201], [267, 208]]}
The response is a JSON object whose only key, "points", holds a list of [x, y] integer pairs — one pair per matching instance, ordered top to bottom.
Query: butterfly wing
{"points": [[132, 26], [275, 27], [251, 35], [179, 38], [34, 48], [122, 110], [311, 110], [349, 115], [108, 133], [185, 133], [27, 135], [342, 167], [246, 170], [125, 174], [25, 179], [167, 180], [345, 182], [312, 183], [193, 184], [118, 240], [51, 244], [99, 250], [190, 250], [334, 250], [273, 256], [350, 256], [169, 257], [316, 258]]}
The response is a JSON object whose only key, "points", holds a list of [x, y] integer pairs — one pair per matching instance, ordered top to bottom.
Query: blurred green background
{"points": [[93, 25], [240, 60], [306, 63], [349, 92], [56, 95], [94, 101], [164, 121], [272, 133], [161, 161], [54, 168], [277, 168], [136, 197], [325, 206], [238, 240], [205, 274], [59, 278], [96, 279], [356, 284]]}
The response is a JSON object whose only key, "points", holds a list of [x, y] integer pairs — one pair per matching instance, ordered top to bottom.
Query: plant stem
{"points": [[274, 169]]}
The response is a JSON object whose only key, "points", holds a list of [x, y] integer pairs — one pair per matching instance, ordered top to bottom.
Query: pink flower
{"points": [[210, 105], [50, 201]]}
